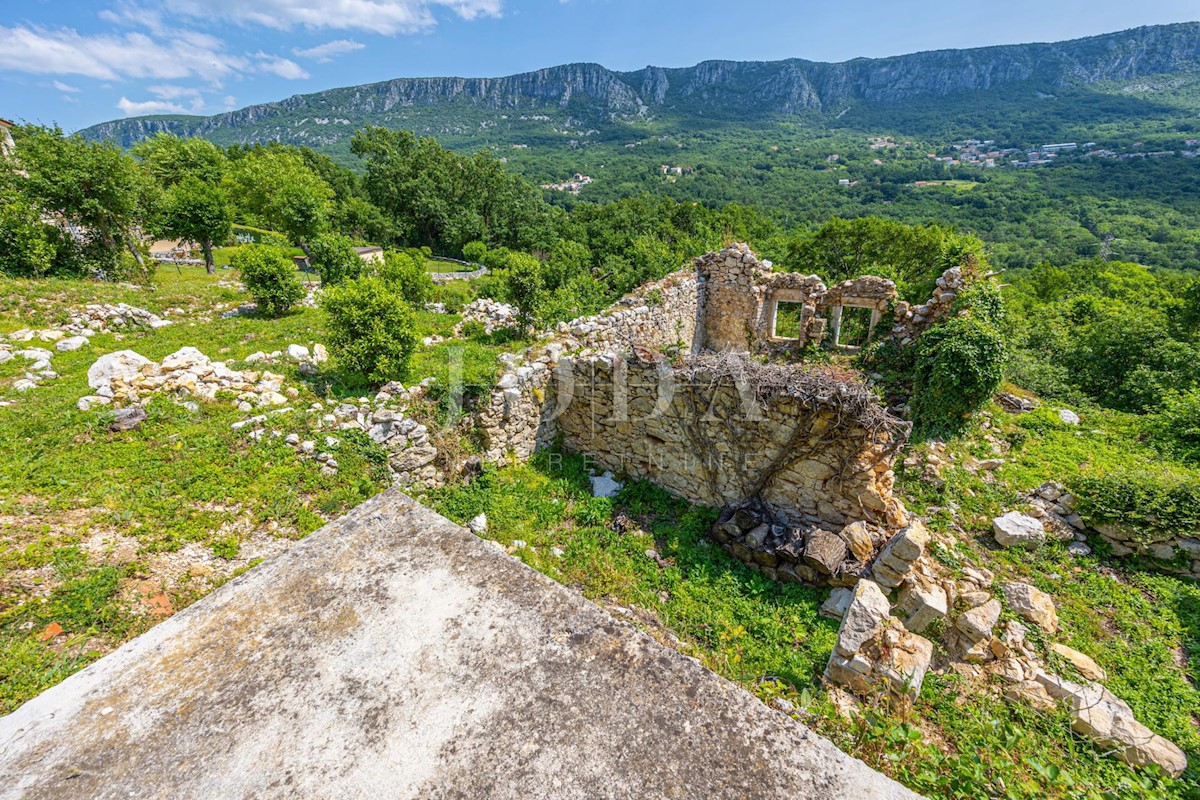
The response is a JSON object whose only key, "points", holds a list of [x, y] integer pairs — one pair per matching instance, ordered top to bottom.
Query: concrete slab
{"points": [[393, 654]]}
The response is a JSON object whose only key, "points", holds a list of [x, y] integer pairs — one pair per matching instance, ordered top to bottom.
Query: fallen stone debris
{"points": [[491, 314], [107, 318], [126, 377], [880, 649]]}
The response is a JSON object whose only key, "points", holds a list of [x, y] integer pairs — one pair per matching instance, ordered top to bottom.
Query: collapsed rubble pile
{"points": [[491, 314], [107, 317], [38, 368], [127, 377], [411, 454], [881, 649]]}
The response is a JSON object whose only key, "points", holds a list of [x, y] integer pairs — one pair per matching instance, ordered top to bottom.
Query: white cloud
{"points": [[386, 17], [64, 51], [324, 53], [283, 67], [66, 87], [172, 92], [229, 103], [131, 108]]}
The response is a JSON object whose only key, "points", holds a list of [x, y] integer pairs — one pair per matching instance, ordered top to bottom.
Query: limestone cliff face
{"points": [[710, 89]]}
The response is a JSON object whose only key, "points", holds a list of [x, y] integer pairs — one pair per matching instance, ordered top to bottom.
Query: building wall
{"points": [[703, 437]]}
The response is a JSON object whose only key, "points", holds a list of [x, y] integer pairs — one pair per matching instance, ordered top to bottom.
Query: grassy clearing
{"points": [[102, 534]]}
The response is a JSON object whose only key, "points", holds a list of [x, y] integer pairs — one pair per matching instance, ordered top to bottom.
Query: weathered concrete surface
{"points": [[393, 654]]}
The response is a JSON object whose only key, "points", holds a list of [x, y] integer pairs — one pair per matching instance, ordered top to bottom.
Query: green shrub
{"points": [[27, 245], [474, 252], [334, 258], [405, 273], [270, 278], [523, 285], [370, 330], [959, 365], [1177, 424], [1150, 504]]}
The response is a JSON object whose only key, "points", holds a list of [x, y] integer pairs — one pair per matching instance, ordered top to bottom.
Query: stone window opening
{"points": [[787, 319], [852, 326]]}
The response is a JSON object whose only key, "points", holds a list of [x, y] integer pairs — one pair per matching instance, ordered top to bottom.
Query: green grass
{"points": [[446, 266], [185, 477]]}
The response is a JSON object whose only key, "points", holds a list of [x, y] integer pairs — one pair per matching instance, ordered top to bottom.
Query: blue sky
{"points": [[77, 63]]}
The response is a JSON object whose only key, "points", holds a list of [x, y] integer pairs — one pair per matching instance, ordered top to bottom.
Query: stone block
{"points": [[857, 537], [1032, 604], [922, 606], [864, 618], [977, 623]]}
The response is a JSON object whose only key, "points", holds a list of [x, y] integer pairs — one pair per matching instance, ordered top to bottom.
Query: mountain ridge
{"points": [[592, 93]]}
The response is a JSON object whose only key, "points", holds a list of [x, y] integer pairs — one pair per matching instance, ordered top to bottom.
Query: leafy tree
{"points": [[169, 159], [92, 186], [276, 189], [440, 199], [194, 210], [27, 245], [474, 251], [912, 256], [334, 258], [406, 274], [270, 278], [523, 285], [370, 329]]}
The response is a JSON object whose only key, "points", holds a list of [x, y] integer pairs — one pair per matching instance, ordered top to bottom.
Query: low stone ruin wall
{"points": [[667, 314], [723, 429]]}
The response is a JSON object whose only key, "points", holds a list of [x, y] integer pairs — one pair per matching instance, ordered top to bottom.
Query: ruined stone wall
{"points": [[733, 308], [660, 315], [665, 315], [911, 321], [703, 437]]}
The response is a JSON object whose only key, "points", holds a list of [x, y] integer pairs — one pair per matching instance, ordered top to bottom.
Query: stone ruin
{"points": [[697, 383]]}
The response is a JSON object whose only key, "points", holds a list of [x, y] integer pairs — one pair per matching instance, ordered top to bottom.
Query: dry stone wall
{"points": [[663, 315], [701, 435]]}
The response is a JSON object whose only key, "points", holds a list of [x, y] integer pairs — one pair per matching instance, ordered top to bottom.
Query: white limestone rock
{"points": [[123, 363], [1016, 529], [1032, 604]]}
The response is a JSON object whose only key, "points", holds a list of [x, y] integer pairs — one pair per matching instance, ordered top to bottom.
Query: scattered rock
{"points": [[71, 344], [125, 364], [1068, 416], [127, 419], [605, 485], [478, 525], [1017, 529], [836, 604], [1032, 604], [921, 605], [977, 623], [874, 651], [1083, 663], [1105, 718]]}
